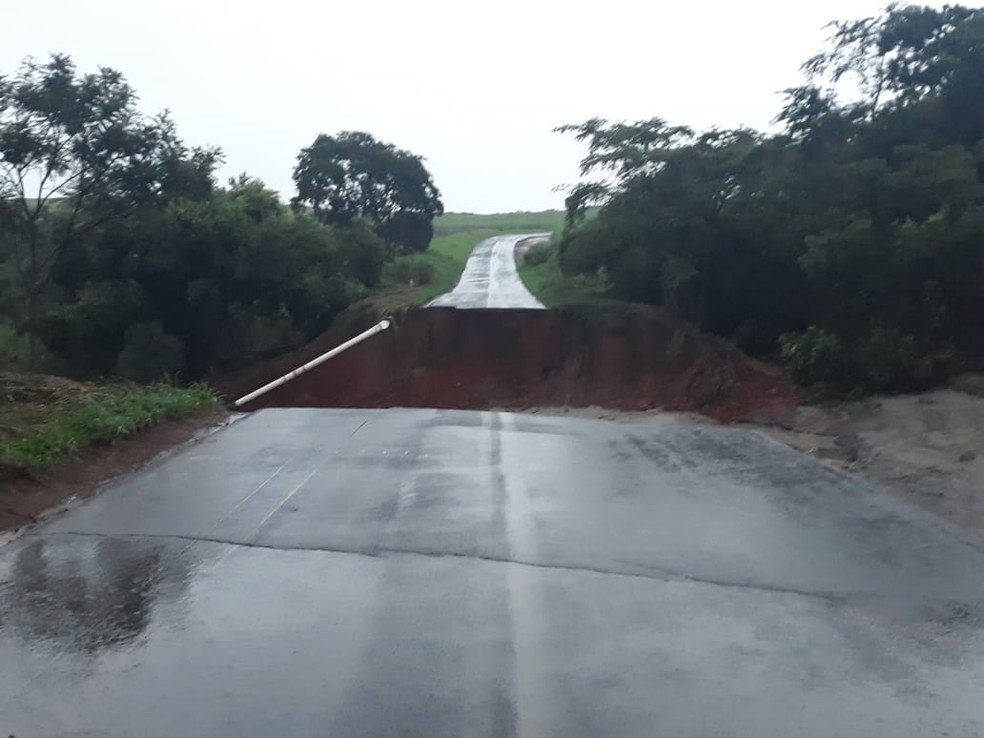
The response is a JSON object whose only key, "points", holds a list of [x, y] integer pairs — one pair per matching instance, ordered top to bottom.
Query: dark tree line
{"points": [[851, 243], [121, 255]]}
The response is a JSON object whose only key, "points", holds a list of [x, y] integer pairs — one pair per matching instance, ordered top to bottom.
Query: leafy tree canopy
{"points": [[75, 153], [352, 175], [853, 240], [119, 253]]}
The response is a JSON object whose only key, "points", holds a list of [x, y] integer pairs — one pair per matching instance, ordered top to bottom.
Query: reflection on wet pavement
{"points": [[490, 279], [432, 573], [89, 597]]}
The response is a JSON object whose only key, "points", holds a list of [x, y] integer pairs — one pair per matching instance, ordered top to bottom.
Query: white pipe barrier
{"points": [[378, 328]]}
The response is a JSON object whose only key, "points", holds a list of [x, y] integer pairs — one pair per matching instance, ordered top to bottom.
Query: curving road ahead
{"points": [[490, 279], [439, 574]]}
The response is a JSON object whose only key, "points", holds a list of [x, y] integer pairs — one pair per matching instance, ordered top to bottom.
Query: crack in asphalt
{"points": [[654, 574]]}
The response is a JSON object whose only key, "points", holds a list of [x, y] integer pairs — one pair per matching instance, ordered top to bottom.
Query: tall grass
{"points": [[443, 264], [539, 269], [77, 416]]}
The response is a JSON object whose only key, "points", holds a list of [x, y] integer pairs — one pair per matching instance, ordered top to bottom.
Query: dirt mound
{"points": [[478, 359]]}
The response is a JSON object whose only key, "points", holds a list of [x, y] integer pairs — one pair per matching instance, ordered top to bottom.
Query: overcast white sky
{"points": [[475, 88]]}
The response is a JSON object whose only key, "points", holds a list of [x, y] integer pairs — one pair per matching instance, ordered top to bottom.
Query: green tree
{"points": [[620, 152], [75, 153], [352, 175], [859, 227], [204, 284]]}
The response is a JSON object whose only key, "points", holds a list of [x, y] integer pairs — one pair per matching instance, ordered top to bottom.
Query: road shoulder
{"points": [[925, 449], [28, 497]]}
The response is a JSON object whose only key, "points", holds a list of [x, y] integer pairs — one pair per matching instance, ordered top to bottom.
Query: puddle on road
{"points": [[90, 595]]}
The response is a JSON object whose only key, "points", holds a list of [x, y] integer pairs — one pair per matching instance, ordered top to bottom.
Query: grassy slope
{"points": [[554, 288], [46, 419]]}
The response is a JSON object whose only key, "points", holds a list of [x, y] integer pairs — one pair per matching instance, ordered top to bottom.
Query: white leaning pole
{"points": [[378, 328]]}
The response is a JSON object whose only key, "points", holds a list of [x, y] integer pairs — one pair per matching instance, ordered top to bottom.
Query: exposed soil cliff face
{"points": [[478, 359]]}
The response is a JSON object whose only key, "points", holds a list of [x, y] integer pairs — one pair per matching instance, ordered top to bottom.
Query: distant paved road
{"points": [[490, 279], [432, 573]]}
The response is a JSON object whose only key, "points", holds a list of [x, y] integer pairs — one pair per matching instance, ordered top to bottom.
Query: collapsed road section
{"points": [[514, 359]]}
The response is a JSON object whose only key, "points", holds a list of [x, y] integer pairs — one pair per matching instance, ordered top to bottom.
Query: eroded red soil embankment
{"points": [[513, 359]]}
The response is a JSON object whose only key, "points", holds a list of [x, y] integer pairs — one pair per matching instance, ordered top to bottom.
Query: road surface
{"points": [[490, 279], [433, 573]]}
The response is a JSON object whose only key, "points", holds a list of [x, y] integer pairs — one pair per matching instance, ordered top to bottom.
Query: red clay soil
{"points": [[515, 359]]}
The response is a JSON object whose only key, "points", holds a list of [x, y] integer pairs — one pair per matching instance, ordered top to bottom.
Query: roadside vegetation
{"points": [[848, 245], [122, 256], [539, 268], [415, 279], [44, 420]]}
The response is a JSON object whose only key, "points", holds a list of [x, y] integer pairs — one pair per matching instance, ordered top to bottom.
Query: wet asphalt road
{"points": [[490, 279], [432, 573]]}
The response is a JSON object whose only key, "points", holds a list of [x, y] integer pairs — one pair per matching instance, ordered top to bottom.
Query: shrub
{"points": [[411, 232], [537, 255], [413, 270], [756, 337], [150, 354], [812, 356], [886, 359]]}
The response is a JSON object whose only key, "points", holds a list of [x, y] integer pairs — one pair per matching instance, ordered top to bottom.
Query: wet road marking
{"points": [[250, 496], [233, 509], [255, 532], [524, 607]]}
